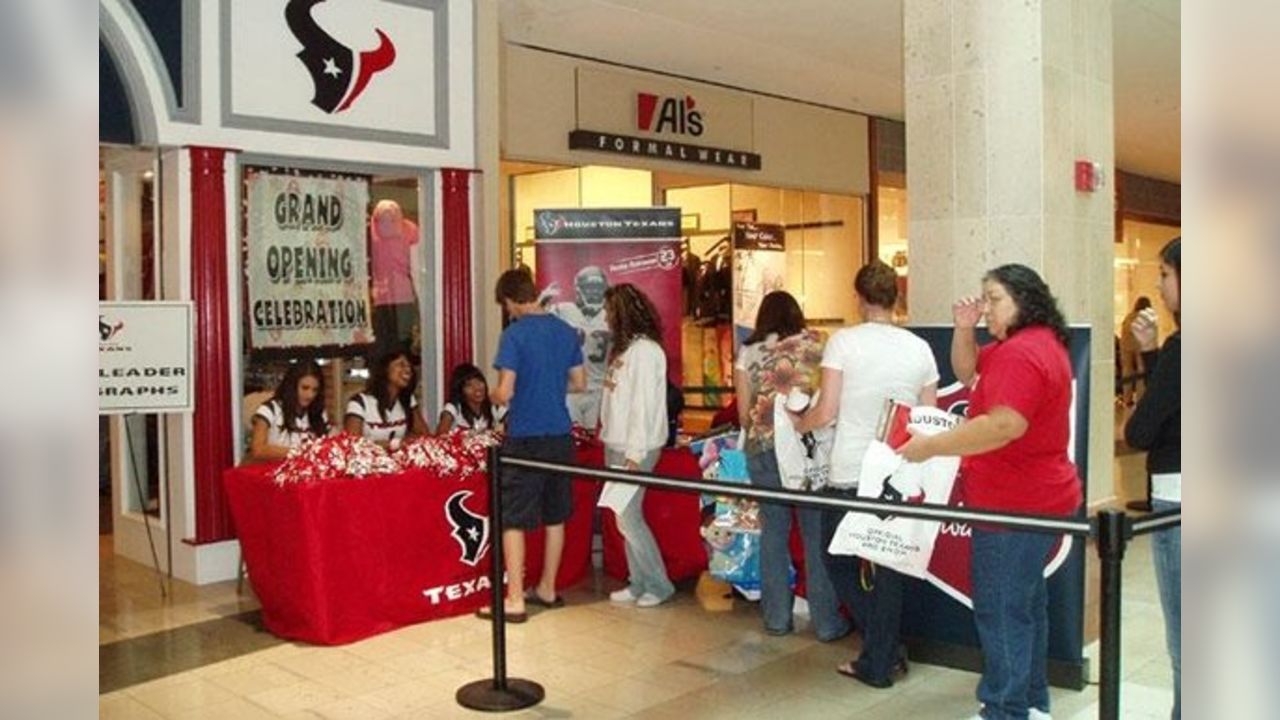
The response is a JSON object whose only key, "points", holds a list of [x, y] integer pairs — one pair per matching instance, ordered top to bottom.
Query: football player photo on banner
{"points": [[581, 253], [307, 267]]}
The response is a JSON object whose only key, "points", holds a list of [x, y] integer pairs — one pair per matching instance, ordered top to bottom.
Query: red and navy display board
{"points": [[337, 561], [937, 617]]}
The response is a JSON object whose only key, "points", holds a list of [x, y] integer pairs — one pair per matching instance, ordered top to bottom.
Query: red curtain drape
{"points": [[456, 270], [212, 418]]}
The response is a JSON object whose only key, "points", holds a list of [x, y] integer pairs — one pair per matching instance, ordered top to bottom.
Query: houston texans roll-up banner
{"points": [[580, 253], [307, 265], [937, 614]]}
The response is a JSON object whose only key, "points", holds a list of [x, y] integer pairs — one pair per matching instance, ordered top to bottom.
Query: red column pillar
{"points": [[456, 270], [209, 291]]}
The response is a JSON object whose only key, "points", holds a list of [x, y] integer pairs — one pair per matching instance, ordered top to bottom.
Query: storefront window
{"points": [[368, 269], [1137, 269]]}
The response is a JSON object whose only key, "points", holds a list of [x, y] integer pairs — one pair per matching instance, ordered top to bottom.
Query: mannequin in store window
{"points": [[393, 260], [294, 413]]}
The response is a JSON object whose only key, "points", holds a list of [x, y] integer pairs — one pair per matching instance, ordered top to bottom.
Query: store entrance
{"points": [[824, 244], [129, 268]]}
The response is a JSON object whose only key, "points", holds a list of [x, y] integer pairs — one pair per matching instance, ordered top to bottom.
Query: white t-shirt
{"points": [[877, 362], [272, 412], [633, 414], [459, 421], [392, 424]]}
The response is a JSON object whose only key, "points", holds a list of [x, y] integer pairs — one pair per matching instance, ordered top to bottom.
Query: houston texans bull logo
{"points": [[338, 75], [469, 529]]}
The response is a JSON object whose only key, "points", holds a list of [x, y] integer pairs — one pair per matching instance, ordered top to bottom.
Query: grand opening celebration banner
{"points": [[580, 253], [307, 264]]}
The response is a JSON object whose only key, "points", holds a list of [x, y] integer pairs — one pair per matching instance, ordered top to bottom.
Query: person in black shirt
{"points": [[1156, 426]]}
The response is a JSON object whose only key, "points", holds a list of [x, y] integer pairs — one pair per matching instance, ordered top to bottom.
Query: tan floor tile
{"points": [[382, 647], [316, 662], [421, 663], [681, 678], [255, 679], [362, 679], [630, 695], [167, 697], [293, 698], [403, 698], [122, 706], [237, 708], [347, 709]]}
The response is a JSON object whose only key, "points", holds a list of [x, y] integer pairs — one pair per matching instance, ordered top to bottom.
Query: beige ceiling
{"points": [[845, 54]]}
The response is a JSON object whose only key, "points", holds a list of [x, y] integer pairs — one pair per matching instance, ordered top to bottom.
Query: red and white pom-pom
{"points": [[453, 456], [334, 457]]}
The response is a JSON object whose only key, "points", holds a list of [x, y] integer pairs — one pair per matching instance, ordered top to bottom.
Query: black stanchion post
{"points": [[1113, 537], [500, 693]]}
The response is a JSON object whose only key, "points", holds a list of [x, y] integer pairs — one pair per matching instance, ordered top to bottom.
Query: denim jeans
{"points": [[1166, 548], [647, 572], [776, 598], [876, 605], [1011, 611]]}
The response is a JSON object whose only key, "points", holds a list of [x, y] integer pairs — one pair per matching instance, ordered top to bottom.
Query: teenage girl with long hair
{"points": [[469, 407], [387, 411], [295, 412], [633, 427]]}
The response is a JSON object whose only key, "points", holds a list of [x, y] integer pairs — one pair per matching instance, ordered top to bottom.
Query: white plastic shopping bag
{"points": [[804, 460], [903, 544]]}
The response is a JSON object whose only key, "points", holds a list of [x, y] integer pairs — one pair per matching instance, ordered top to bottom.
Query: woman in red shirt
{"points": [[1015, 459]]}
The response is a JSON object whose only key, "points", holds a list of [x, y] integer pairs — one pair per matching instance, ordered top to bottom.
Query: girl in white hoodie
{"points": [[633, 426]]}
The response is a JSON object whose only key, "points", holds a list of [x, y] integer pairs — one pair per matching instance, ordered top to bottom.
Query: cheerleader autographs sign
{"points": [[308, 271], [144, 357]]}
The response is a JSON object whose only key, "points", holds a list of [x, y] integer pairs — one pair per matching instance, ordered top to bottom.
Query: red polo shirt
{"points": [[1029, 373]]}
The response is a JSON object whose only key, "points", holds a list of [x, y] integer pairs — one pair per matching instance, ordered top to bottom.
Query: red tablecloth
{"points": [[674, 517], [676, 521], [338, 561]]}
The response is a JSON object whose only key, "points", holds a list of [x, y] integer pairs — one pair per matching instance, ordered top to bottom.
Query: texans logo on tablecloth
{"points": [[339, 76], [469, 529]]}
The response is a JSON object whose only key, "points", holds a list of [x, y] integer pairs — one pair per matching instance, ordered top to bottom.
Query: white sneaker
{"points": [[622, 596], [649, 600], [1037, 714]]}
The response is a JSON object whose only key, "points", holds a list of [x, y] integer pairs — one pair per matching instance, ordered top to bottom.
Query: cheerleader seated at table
{"points": [[469, 408], [295, 412], [386, 412]]}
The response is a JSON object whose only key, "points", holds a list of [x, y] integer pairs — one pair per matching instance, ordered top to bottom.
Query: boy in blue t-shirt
{"points": [[539, 361]]}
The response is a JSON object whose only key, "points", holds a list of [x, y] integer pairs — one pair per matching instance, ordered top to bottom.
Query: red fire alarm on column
{"points": [[1089, 176]]}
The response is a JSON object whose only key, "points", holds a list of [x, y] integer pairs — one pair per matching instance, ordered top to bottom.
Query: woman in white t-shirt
{"points": [[862, 367], [469, 407], [295, 412], [387, 412], [633, 428]]}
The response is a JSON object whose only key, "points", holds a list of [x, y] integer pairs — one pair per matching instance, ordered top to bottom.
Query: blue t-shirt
{"points": [[540, 349]]}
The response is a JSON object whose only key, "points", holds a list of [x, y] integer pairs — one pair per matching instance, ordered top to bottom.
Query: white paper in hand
{"points": [[616, 496]]}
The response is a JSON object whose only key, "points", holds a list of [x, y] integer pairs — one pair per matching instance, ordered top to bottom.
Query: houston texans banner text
{"points": [[580, 253]]}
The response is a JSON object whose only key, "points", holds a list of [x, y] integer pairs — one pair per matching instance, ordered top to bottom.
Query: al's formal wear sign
{"points": [[307, 265], [144, 357]]}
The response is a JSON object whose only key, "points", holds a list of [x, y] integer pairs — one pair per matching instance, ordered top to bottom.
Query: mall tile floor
{"points": [[202, 654]]}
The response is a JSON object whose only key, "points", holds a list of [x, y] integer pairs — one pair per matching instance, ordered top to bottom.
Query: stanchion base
{"points": [[483, 695]]}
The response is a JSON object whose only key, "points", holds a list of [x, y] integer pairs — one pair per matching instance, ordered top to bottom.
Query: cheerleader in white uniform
{"points": [[387, 411], [295, 412]]}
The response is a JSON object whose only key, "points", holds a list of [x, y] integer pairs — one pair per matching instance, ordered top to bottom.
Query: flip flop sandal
{"points": [[534, 599], [511, 617], [850, 670]]}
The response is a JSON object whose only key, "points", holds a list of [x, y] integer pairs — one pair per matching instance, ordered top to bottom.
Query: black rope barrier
{"points": [[1112, 529]]}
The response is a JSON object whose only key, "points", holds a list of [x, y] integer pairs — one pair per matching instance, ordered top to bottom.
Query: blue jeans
{"points": [[1166, 548], [647, 573], [776, 598], [876, 604], [1011, 611]]}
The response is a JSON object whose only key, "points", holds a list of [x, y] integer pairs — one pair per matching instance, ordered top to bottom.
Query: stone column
{"points": [[1001, 98]]}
